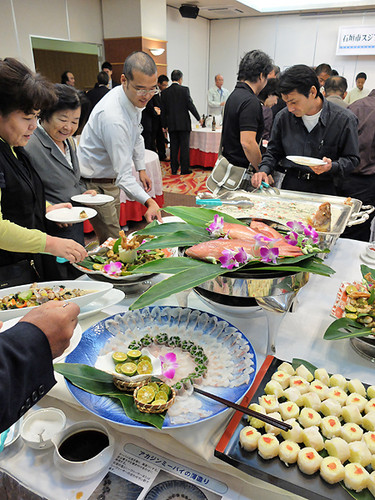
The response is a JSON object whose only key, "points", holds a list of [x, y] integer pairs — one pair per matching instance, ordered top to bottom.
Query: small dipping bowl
{"points": [[370, 251], [40, 426], [83, 450]]}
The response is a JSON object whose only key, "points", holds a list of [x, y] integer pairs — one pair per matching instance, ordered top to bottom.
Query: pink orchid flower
{"points": [[216, 227], [112, 268], [169, 365]]}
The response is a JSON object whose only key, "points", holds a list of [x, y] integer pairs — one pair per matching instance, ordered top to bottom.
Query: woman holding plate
{"points": [[23, 237]]}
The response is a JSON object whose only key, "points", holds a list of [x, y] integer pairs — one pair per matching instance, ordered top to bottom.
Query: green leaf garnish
{"points": [[344, 328], [296, 362]]}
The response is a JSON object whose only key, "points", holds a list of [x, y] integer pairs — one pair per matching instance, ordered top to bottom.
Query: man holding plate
{"points": [[314, 142]]}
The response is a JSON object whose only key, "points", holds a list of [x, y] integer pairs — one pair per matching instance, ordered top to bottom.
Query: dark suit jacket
{"points": [[94, 95], [177, 103], [26, 371]]}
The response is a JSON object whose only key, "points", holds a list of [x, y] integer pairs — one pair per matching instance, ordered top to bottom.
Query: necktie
{"points": [[221, 95]]}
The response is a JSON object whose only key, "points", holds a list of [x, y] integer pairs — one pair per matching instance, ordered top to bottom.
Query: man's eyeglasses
{"points": [[144, 92]]}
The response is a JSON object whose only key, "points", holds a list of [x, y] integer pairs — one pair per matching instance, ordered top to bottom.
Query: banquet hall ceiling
{"points": [[226, 9]]}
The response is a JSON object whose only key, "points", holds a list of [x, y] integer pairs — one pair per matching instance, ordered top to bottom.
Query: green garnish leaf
{"points": [[344, 328], [296, 362]]}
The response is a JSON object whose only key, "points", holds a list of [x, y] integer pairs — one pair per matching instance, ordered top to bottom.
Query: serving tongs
{"points": [[268, 190], [216, 202], [252, 413]]}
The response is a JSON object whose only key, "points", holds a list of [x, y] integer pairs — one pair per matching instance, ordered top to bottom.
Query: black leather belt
{"points": [[102, 180]]}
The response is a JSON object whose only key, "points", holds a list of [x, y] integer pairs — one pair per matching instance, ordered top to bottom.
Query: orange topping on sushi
{"points": [[281, 375], [298, 382], [319, 387], [337, 393], [355, 399], [268, 401], [289, 408], [310, 415], [332, 422], [353, 429], [248, 433], [373, 437], [267, 440], [288, 447], [310, 455], [332, 466], [358, 470]]}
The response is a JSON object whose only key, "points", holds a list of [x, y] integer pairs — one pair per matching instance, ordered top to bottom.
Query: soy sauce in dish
{"points": [[83, 445]]}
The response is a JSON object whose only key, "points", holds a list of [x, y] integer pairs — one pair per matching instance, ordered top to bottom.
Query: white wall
{"points": [[121, 18], [67, 19], [154, 19], [289, 39], [188, 51]]}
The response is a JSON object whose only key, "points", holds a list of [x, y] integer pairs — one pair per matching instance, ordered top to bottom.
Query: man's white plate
{"points": [[307, 161], [89, 199], [70, 215], [109, 299]]}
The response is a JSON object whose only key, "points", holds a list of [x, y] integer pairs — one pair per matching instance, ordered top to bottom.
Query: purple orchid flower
{"points": [[296, 226], [216, 227], [311, 233], [292, 238], [269, 254], [231, 258], [112, 268], [169, 365]]}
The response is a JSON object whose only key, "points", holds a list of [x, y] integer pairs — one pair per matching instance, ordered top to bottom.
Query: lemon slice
{"points": [[134, 354], [119, 357], [145, 358], [118, 368], [144, 368], [129, 369], [154, 385], [165, 388], [146, 394], [161, 395], [158, 402]]}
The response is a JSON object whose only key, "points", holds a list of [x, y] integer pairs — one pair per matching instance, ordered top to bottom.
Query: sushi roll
{"points": [[287, 368], [302, 371], [322, 375], [282, 378], [338, 380], [300, 383], [355, 385], [273, 387], [320, 388], [371, 391], [292, 394], [338, 394], [356, 399], [310, 400], [269, 403], [370, 406], [331, 407], [289, 410], [351, 413], [309, 417], [253, 421], [368, 421], [330, 427], [271, 429], [351, 432], [294, 434], [312, 437], [249, 438], [369, 439], [268, 446], [338, 447], [288, 452], [359, 453], [309, 460], [373, 462], [332, 470], [356, 477], [371, 483]]}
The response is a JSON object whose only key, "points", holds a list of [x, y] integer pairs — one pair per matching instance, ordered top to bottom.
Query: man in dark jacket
{"points": [[94, 95], [177, 103]]}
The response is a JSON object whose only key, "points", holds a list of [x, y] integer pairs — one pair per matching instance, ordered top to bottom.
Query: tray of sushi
{"points": [[330, 450]]}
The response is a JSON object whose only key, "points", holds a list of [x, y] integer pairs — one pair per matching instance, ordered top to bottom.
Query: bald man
{"points": [[217, 96]]}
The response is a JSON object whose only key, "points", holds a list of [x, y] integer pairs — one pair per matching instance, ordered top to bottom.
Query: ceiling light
{"points": [[295, 5], [157, 52]]}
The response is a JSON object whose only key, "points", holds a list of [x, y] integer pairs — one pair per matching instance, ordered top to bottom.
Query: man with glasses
{"points": [[111, 142]]}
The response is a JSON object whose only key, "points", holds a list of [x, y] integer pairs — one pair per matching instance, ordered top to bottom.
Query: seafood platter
{"points": [[305, 207], [181, 347], [328, 453]]}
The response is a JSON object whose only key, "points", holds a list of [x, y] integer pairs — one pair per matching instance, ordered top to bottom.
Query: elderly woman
{"points": [[23, 238]]}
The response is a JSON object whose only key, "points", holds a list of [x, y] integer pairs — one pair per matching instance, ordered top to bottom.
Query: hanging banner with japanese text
{"points": [[356, 40]]}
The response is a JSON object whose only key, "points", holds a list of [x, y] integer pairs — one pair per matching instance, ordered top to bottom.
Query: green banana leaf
{"points": [[198, 216], [171, 227], [177, 239], [172, 265], [365, 270], [344, 328], [296, 362], [100, 383], [362, 495]]}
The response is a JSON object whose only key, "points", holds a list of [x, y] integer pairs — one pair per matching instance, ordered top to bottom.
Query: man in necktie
{"points": [[216, 97]]}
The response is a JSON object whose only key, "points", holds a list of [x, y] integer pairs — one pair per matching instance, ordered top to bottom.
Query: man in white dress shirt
{"points": [[217, 96], [111, 141]]}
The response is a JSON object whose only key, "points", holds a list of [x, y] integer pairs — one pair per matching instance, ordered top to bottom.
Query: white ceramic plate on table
{"points": [[307, 161], [89, 199], [70, 215], [98, 289], [111, 298]]}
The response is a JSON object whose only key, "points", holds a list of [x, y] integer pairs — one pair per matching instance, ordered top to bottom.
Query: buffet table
{"points": [[204, 146], [133, 210], [300, 335]]}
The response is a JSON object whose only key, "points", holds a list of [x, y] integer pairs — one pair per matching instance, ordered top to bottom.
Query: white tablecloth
{"points": [[205, 140], [300, 335]]}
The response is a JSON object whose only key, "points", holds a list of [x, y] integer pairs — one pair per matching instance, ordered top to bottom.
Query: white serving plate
{"points": [[307, 161], [89, 199], [70, 215], [99, 289], [110, 298]]}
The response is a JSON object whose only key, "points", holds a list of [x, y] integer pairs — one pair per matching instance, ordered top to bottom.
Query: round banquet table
{"points": [[204, 146], [133, 210], [194, 446]]}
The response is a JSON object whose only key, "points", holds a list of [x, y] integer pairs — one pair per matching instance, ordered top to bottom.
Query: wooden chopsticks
{"points": [[265, 418]]}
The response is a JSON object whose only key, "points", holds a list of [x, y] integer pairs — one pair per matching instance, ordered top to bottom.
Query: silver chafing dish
{"points": [[297, 205]]}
